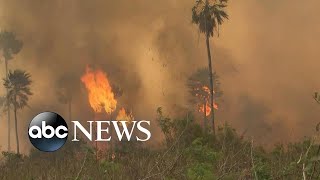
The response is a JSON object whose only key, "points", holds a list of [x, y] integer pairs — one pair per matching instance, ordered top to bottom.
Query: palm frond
{"points": [[208, 16], [9, 44], [200, 79], [18, 85], [66, 87]]}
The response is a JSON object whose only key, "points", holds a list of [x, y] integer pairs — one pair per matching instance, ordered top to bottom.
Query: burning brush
{"points": [[204, 93], [102, 96], [123, 115]]}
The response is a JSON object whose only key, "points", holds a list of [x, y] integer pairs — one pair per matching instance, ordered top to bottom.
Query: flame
{"points": [[207, 90], [99, 91], [206, 107], [124, 116]]}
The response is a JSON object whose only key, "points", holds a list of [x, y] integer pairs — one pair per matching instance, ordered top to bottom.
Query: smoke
{"points": [[266, 56], [277, 59]]}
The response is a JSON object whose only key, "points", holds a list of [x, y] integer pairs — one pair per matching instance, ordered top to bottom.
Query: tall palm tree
{"points": [[208, 16], [9, 46], [18, 84], [197, 84], [67, 86], [65, 97]]}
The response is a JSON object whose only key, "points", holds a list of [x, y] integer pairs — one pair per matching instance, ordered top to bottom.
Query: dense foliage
{"points": [[187, 153]]}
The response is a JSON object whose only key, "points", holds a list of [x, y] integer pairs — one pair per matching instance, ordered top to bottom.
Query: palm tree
{"points": [[208, 17], [9, 46], [18, 84], [197, 84], [67, 86], [118, 92], [65, 97], [317, 97]]}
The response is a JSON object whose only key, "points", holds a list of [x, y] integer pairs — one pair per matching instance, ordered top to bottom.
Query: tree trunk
{"points": [[211, 82], [8, 107], [69, 111], [205, 115], [70, 116], [16, 129], [112, 144]]}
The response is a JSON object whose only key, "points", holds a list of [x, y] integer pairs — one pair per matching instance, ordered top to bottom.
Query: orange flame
{"points": [[207, 90], [99, 91], [206, 107], [124, 116]]}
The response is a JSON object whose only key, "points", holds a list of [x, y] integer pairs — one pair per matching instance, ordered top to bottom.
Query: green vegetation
{"points": [[188, 152]]}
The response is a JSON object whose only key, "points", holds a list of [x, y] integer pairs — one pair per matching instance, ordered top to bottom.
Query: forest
{"points": [[194, 139]]}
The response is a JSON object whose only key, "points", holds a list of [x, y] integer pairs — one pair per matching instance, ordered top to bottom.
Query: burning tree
{"points": [[208, 16], [198, 87], [102, 95], [125, 115]]}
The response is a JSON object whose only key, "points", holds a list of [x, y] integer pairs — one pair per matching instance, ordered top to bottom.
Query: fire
{"points": [[207, 90], [99, 91], [102, 99], [206, 107], [124, 116]]}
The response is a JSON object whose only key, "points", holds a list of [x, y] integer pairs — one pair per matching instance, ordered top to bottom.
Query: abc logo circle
{"points": [[48, 131]]}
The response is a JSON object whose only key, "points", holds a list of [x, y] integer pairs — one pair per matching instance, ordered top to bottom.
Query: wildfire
{"points": [[207, 90], [99, 91], [102, 99], [206, 107], [124, 116]]}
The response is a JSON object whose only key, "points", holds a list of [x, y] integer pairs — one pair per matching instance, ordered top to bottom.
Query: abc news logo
{"points": [[48, 131]]}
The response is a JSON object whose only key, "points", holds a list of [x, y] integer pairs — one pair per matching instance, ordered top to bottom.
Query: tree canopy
{"points": [[209, 15], [9, 44], [18, 85]]}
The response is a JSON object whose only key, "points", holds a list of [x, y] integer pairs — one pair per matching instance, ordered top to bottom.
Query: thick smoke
{"points": [[266, 56]]}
